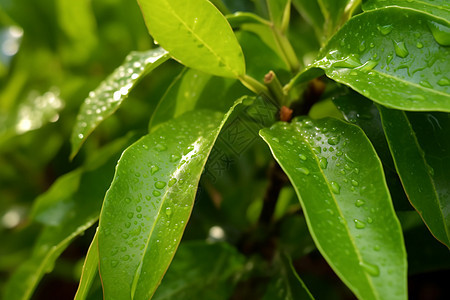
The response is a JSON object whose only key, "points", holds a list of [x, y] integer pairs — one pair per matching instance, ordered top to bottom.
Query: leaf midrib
{"points": [[436, 196], [335, 201]]}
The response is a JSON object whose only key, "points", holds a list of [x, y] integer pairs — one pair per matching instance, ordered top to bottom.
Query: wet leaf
{"points": [[437, 8], [196, 34], [394, 56], [106, 99], [420, 147], [340, 183], [150, 201], [84, 203], [90, 269], [191, 276]]}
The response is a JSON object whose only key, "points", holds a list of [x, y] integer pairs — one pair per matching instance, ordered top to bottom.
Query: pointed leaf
{"points": [[437, 8], [196, 34], [394, 56], [107, 98], [420, 146], [340, 183], [150, 201], [84, 206], [90, 269], [201, 270], [287, 285]]}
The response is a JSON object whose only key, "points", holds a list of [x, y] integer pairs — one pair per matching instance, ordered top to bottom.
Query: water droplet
{"points": [[386, 29], [441, 33], [419, 45], [362, 47], [400, 49], [368, 65], [443, 81], [426, 84], [416, 97], [80, 136], [334, 140], [145, 147], [160, 147], [174, 157], [302, 157], [323, 162], [154, 169], [303, 171], [172, 181], [355, 183], [160, 185], [335, 187], [156, 193], [127, 200], [359, 203], [138, 208], [168, 211], [130, 215], [369, 220], [127, 224], [359, 224], [125, 235], [125, 257], [114, 263], [371, 269]]}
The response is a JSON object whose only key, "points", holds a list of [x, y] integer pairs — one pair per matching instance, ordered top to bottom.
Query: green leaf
{"points": [[437, 8], [278, 10], [336, 13], [239, 18], [196, 34], [392, 57], [106, 99], [420, 147], [340, 183], [150, 201], [79, 210], [90, 269], [201, 271], [287, 285]]}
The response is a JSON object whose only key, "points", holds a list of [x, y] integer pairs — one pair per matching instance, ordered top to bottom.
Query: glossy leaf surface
{"points": [[437, 8], [196, 34], [392, 57], [106, 99], [420, 146], [340, 183], [150, 201], [67, 209], [90, 269], [191, 275], [286, 285]]}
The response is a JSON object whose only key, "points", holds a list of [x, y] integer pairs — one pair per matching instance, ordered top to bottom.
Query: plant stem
{"points": [[254, 85], [275, 87]]}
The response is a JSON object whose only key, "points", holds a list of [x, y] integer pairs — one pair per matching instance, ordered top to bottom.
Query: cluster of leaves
{"points": [[337, 112]]}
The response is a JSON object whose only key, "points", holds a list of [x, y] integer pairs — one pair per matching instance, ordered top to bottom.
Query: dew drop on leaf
{"points": [[386, 29], [400, 49], [303, 171], [160, 184], [335, 187], [359, 203], [359, 224], [371, 269]]}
